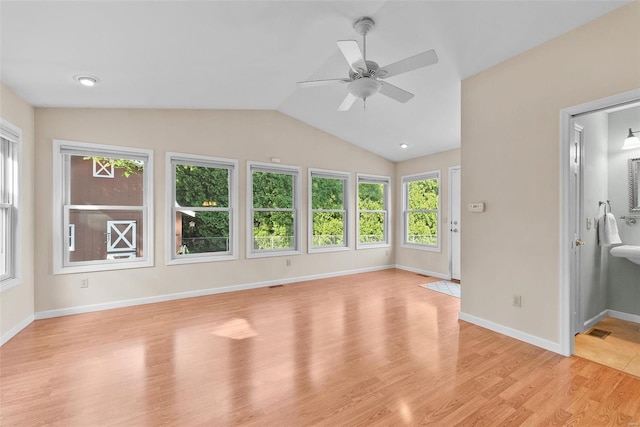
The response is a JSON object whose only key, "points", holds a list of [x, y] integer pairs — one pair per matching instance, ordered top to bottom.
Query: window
{"points": [[421, 206], [9, 208], [202, 208], [373, 211], [328, 212], [273, 218], [102, 224]]}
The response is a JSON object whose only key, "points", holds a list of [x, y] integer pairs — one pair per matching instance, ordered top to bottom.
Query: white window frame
{"points": [[210, 162], [295, 171], [346, 178], [374, 179], [405, 212], [12, 256], [61, 263]]}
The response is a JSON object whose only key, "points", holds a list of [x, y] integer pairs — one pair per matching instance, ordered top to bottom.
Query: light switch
{"points": [[589, 223]]}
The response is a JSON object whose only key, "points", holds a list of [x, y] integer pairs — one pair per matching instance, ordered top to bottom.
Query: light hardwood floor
{"points": [[367, 349], [620, 350]]}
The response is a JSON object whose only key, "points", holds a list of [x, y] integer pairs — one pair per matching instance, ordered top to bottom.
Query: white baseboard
{"points": [[423, 272], [202, 292], [623, 316], [595, 319], [16, 329], [510, 332]]}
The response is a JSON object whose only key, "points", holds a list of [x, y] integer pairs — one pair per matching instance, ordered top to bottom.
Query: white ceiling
{"points": [[248, 55]]}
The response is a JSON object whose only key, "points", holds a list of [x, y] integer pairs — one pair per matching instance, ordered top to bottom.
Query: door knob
{"points": [[579, 242]]}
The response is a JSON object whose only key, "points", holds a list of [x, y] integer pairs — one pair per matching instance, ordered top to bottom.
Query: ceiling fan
{"points": [[365, 77]]}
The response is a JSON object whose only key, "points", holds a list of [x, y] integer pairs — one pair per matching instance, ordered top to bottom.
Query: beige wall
{"points": [[243, 135], [511, 161], [425, 261], [16, 304]]}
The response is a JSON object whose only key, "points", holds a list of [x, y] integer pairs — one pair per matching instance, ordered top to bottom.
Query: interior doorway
{"points": [[574, 221], [455, 227]]}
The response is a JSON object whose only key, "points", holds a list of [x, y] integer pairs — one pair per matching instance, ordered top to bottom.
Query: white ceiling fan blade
{"points": [[353, 55], [420, 60], [316, 83], [394, 92], [348, 102]]}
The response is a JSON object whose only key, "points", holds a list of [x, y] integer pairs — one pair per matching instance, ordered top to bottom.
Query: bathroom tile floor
{"points": [[619, 350]]}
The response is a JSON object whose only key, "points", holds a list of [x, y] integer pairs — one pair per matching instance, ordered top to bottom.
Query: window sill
{"points": [[372, 245], [421, 247], [320, 249], [268, 254], [201, 259], [89, 268], [7, 284]]}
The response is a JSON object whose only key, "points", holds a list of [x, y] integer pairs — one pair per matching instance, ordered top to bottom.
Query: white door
{"points": [[575, 200], [454, 221]]}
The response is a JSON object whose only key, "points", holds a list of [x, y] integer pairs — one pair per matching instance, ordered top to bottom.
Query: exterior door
{"points": [[454, 221]]}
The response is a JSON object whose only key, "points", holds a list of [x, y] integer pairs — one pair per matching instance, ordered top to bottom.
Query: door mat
{"points": [[445, 287]]}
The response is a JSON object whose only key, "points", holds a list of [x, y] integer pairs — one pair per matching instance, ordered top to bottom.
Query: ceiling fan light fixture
{"points": [[86, 80], [364, 87]]}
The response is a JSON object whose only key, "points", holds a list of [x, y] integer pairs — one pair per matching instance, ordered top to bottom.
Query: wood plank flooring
{"points": [[366, 349], [619, 350]]}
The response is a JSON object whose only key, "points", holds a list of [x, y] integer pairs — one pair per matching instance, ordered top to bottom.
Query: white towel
{"points": [[608, 230]]}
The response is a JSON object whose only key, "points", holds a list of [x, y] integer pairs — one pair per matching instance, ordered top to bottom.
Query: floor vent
{"points": [[276, 286], [599, 333]]}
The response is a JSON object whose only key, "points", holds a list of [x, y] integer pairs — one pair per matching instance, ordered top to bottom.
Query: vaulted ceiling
{"points": [[249, 55]]}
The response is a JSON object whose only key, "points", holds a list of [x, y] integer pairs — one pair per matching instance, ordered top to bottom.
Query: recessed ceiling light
{"points": [[86, 80], [404, 145]]}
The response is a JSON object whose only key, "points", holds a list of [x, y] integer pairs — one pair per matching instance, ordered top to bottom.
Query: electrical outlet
{"points": [[288, 262], [85, 283], [517, 301]]}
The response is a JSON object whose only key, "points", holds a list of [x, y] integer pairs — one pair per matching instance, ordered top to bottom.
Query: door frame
{"points": [[451, 169], [567, 292]]}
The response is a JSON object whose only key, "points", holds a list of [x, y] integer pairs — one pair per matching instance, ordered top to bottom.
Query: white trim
{"points": [[13, 134], [204, 161], [296, 172], [345, 177], [374, 179], [404, 189], [449, 207], [60, 243], [423, 272], [565, 292], [198, 293], [623, 316], [595, 319], [16, 330], [510, 332]]}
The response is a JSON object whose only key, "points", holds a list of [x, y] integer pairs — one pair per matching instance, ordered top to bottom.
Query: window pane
{"points": [[202, 186], [126, 188], [272, 190], [327, 193], [423, 194], [371, 196], [371, 227], [328, 228], [422, 228], [273, 230], [200, 232], [106, 235], [4, 243]]}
